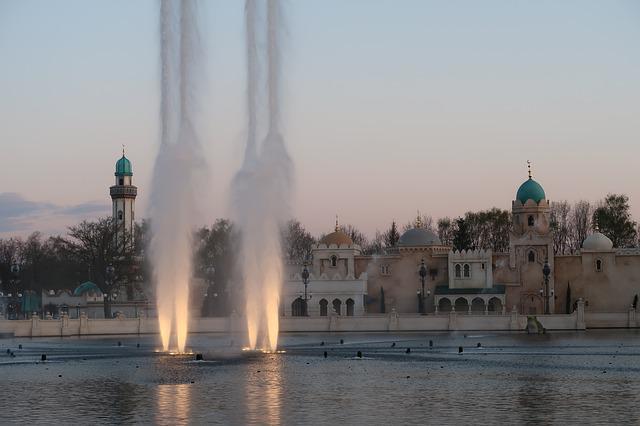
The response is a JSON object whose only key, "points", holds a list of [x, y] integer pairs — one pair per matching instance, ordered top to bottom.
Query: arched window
{"points": [[121, 181], [120, 215], [530, 220], [532, 256], [334, 260], [598, 265], [458, 271], [467, 271], [350, 305], [337, 306], [323, 307], [297, 308]]}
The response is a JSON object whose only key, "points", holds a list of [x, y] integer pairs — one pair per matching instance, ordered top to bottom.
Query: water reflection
{"points": [[263, 391], [174, 404]]}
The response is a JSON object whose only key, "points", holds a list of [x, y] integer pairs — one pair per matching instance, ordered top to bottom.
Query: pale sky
{"points": [[390, 106]]}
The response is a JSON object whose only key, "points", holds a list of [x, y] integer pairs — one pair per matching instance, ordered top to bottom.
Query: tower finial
{"points": [[123, 150], [529, 167], [337, 226], [596, 227]]}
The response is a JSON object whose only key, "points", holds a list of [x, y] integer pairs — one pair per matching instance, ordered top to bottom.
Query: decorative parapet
{"points": [[336, 247]]}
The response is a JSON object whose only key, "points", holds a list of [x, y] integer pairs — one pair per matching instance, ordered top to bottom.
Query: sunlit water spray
{"points": [[177, 168], [262, 187]]}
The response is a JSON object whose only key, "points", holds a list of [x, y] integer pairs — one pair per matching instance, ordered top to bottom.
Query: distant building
{"points": [[478, 281]]}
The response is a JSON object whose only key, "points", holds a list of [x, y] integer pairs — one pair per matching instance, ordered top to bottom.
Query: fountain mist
{"points": [[176, 169], [261, 189]]}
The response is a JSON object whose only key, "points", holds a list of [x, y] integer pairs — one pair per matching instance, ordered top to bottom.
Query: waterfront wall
{"points": [[579, 320]]}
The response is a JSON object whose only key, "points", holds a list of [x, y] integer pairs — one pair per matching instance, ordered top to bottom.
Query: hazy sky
{"points": [[390, 106]]}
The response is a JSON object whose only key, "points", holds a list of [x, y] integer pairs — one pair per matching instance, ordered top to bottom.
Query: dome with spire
{"points": [[123, 167], [530, 190], [337, 237], [597, 242]]}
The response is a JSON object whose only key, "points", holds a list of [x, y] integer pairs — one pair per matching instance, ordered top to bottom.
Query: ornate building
{"points": [[424, 275]]}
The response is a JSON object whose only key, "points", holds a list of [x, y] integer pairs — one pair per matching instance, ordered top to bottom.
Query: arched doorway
{"points": [[350, 305], [444, 305], [461, 305], [337, 306], [477, 306], [494, 306], [323, 307], [297, 308]]}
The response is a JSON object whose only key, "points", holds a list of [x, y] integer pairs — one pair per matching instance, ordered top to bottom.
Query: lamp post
{"points": [[546, 271], [210, 272], [423, 274], [109, 277], [305, 280], [15, 284]]}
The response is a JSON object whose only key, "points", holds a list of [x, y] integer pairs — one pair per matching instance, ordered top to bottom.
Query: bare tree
{"points": [[580, 224], [561, 226], [446, 230], [356, 235], [297, 242], [97, 246]]}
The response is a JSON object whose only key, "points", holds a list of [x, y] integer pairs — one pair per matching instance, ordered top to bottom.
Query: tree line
{"points": [[88, 248]]}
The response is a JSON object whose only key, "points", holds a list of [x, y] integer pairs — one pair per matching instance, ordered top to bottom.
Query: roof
{"points": [[123, 167], [530, 190], [418, 237], [338, 238], [597, 242], [86, 287], [444, 289]]}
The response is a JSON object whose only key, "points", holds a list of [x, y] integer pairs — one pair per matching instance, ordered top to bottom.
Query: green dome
{"points": [[123, 167], [530, 190], [86, 287]]}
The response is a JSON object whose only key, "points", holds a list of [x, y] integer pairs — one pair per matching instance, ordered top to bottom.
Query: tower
{"points": [[123, 196], [531, 245]]}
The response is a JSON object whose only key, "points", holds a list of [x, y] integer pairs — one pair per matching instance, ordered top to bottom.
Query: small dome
{"points": [[123, 167], [530, 190], [419, 237], [338, 238], [597, 242], [86, 287]]}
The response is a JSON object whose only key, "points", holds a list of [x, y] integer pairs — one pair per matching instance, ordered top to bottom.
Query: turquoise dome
{"points": [[123, 167], [530, 190], [86, 287]]}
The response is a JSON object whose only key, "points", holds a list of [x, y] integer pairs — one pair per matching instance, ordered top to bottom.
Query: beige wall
{"points": [[403, 281], [610, 290]]}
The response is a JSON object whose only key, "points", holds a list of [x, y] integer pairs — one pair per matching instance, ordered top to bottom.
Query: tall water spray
{"points": [[177, 168], [261, 189]]}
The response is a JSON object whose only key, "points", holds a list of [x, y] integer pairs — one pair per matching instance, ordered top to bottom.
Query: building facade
{"points": [[422, 275]]}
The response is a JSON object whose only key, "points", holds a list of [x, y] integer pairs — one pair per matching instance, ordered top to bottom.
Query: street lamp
{"points": [[546, 271], [210, 273], [423, 274], [109, 277], [305, 280], [15, 284]]}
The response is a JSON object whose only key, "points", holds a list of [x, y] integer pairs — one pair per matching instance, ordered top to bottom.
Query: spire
{"points": [[123, 150], [529, 167], [337, 226]]}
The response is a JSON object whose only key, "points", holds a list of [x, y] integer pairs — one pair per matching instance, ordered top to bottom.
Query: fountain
{"points": [[176, 169], [261, 190]]}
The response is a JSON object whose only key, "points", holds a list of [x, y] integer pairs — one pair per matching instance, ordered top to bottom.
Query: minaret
{"points": [[123, 196]]}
